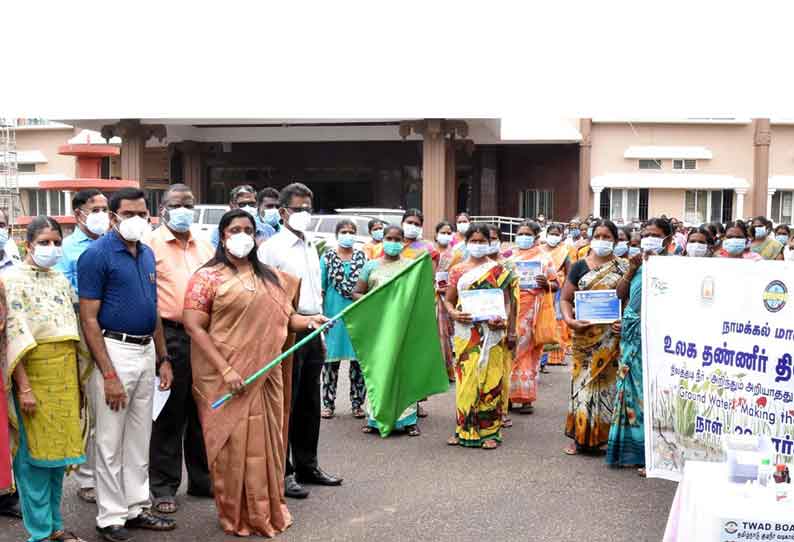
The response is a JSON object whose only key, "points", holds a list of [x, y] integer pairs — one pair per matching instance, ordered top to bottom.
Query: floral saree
{"points": [[770, 249], [445, 260], [562, 353], [481, 355], [595, 362], [627, 435]]}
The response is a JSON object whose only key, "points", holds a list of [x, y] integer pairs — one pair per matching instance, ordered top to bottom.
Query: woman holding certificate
{"points": [[536, 278], [478, 297], [595, 343], [626, 447]]}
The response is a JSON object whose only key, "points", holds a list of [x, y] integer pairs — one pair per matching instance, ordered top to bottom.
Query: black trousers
{"points": [[304, 423], [177, 426]]}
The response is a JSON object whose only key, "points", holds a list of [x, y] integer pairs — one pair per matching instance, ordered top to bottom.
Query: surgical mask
{"points": [[250, 209], [271, 217], [180, 219], [300, 221], [97, 223], [463, 227], [132, 229], [412, 231], [589, 232], [760, 232], [574, 233], [377, 235], [3, 239], [444, 239], [782, 239], [346, 240], [553, 240], [525, 241], [651, 244], [240, 245], [734, 246], [494, 247], [602, 247], [392, 248], [621, 248], [478, 250], [696, 250], [633, 251], [45, 256]]}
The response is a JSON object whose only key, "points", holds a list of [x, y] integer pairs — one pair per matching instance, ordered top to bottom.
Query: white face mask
{"points": [[250, 209], [300, 221], [97, 223], [463, 227], [132, 229], [412, 231], [444, 239], [553, 240], [651, 244], [240, 245], [495, 245], [601, 247], [696, 250], [45, 256]]}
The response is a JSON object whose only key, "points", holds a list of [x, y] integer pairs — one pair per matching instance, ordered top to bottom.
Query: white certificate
{"points": [[483, 304], [597, 306]]}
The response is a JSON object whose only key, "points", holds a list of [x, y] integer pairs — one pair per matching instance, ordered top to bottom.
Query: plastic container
{"points": [[765, 472]]}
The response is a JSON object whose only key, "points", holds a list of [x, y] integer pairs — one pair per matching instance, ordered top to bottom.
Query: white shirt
{"points": [[289, 253], [10, 256]]}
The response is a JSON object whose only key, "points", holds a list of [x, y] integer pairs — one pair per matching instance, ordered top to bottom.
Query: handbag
{"points": [[546, 330]]}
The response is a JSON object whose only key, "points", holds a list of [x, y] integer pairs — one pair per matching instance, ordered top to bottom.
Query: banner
{"points": [[718, 338]]}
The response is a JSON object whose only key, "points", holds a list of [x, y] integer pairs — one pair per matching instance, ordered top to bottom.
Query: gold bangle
{"points": [[227, 370], [28, 390]]}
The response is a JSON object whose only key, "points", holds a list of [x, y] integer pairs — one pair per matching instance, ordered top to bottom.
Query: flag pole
{"points": [[258, 374]]}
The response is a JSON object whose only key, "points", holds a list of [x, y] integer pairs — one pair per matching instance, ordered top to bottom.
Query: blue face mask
{"points": [[271, 217], [180, 219], [589, 232], [760, 232], [574, 233], [377, 235], [782, 239], [346, 240], [525, 241], [734, 246], [602, 247], [392, 248], [621, 248], [478, 250], [633, 251]]}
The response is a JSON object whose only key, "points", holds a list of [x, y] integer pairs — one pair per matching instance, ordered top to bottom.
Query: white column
{"points": [[769, 193], [67, 202], [596, 202], [739, 212]]}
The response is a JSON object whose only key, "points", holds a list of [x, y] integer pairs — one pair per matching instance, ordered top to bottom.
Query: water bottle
{"points": [[765, 472]]}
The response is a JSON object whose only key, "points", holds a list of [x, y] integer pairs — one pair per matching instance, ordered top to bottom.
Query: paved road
{"points": [[417, 489]]}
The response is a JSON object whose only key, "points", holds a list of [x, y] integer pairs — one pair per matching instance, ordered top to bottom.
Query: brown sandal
{"points": [[327, 413], [507, 422], [368, 430], [413, 431], [453, 441], [490, 444], [571, 450], [87, 494], [166, 505], [65, 536]]}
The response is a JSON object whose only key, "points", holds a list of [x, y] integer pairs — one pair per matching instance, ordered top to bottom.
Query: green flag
{"points": [[395, 334]]}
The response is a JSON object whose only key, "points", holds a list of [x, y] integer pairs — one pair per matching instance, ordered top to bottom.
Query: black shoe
{"points": [[317, 477], [293, 489], [207, 494], [11, 511], [150, 522], [115, 533]]}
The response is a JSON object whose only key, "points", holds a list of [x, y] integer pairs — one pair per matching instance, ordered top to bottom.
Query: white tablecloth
{"points": [[705, 496]]}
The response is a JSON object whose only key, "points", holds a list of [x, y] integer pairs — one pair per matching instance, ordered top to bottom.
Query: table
{"points": [[705, 498]]}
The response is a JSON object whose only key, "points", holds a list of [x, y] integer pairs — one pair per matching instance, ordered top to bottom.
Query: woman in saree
{"points": [[734, 244], [762, 244], [414, 245], [374, 248], [559, 255], [446, 256], [375, 274], [533, 286], [224, 307], [595, 346], [481, 347], [43, 380], [626, 446]]}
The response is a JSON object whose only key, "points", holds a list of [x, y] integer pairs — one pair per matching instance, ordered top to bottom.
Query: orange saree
{"points": [[558, 256], [245, 437]]}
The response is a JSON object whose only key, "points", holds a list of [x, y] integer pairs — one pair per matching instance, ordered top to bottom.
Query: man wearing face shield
{"points": [[244, 197], [90, 208], [292, 252], [177, 256]]}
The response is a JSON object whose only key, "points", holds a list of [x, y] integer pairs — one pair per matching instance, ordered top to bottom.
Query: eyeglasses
{"points": [[301, 210]]}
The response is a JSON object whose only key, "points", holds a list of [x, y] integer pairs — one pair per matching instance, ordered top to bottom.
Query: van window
{"points": [[213, 216]]}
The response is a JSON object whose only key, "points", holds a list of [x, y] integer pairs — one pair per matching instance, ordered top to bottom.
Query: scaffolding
{"points": [[9, 174]]}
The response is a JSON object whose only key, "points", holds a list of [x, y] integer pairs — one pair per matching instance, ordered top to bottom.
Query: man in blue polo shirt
{"points": [[90, 208], [121, 324]]}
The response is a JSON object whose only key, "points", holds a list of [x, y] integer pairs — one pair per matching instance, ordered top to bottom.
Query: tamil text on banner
{"points": [[718, 338]]}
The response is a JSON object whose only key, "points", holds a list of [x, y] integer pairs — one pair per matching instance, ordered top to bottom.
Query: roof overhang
{"points": [[668, 153], [31, 157], [687, 181], [781, 182]]}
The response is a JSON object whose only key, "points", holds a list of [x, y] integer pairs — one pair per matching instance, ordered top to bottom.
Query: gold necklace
{"points": [[244, 285]]}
